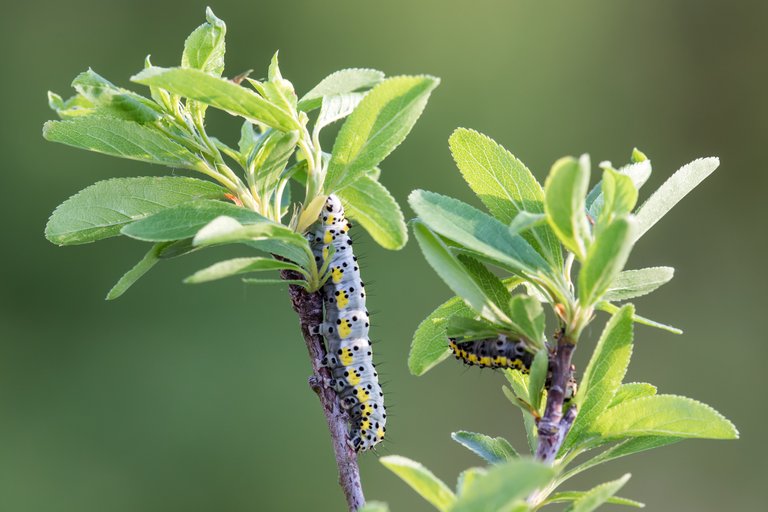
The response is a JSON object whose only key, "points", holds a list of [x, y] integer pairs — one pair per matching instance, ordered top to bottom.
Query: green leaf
{"points": [[204, 48], [340, 82], [219, 93], [106, 99], [74, 107], [337, 107], [378, 125], [125, 139], [273, 156], [638, 172], [505, 185], [672, 191], [620, 196], [564, 202], [373, 207], [102, 209], [185, 220], [524, 221], [477, 231], [268, 236], [605, 259], [237, 266], [142, 267], [456, 275], [295, 282], [636, 283], [491, 285], [611, 308], [528, 319], [468, 329], [430, 341], [604, 373], [538, 376], [632, 390], [518, 394], [664, 415], [493, 449], [622, 449], [467, 479], [421, 480], [503, 485], [597, 495], [566, 496], [374, 506]]}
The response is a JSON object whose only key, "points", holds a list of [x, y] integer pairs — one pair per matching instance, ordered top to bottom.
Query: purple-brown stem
{"points": [[309, 307], [553, 427]]}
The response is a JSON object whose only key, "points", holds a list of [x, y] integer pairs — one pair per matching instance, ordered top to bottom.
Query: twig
{"points": [[309, 307], [553, 427]]}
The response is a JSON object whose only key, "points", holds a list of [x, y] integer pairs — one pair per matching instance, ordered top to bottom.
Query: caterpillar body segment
{"points": [[350, 356]]}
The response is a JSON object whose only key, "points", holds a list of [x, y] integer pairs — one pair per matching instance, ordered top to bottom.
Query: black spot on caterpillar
{"points": [[501, 352], [350, 357]]}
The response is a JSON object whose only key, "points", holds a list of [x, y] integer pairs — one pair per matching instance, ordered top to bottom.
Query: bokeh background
{"points": [[180, 398]]}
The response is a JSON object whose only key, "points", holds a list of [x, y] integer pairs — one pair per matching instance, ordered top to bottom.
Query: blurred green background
{"points": [[180, 398]]}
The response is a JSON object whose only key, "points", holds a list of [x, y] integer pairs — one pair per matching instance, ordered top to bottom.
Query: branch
{"points": [[309, 307], [553, 427]]}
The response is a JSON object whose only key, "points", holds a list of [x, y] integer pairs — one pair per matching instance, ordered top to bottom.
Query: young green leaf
{"points": [[204, 48], [340, 82], [219, 93], [106, 99], [76, 106], [337, 107], [377, 126], [125, 139], [272, 158], [638, 172], [505, 185], [672, 191], [564, 195], [620, 197], [373, 207], [101, 210], [185, 220], [477, 231], [267, 236], [604, 260], [237, 266], [142, 267], [456, 275], [636, 283], [492, 286], [612, 308], [528, 319], [430, 341], [604, 373], [538, 377], [632, 390], [664, 415], [493, 449], [622, 449], [467, 479], [421, 480], [503, 485], [568, 496], [596, 496]]}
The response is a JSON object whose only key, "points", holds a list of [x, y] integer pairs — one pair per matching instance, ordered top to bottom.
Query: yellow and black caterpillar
{"points": [[502, 352], [350, 357]]}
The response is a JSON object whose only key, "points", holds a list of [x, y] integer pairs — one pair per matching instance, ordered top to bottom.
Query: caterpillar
{"points": [[345, 328], [502, 352]]}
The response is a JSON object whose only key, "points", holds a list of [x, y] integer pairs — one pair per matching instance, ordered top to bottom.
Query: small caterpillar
{"points": [[501, 352], [350, 357]]}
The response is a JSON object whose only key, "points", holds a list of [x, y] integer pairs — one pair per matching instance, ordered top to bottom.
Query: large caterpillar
{"points": [[350, 356]]}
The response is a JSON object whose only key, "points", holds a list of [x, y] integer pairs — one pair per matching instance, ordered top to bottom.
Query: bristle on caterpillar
{"points": [[350, 357]]}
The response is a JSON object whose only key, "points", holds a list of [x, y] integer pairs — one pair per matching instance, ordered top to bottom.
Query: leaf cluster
{"points": [[245, 194], [561, 246]]}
